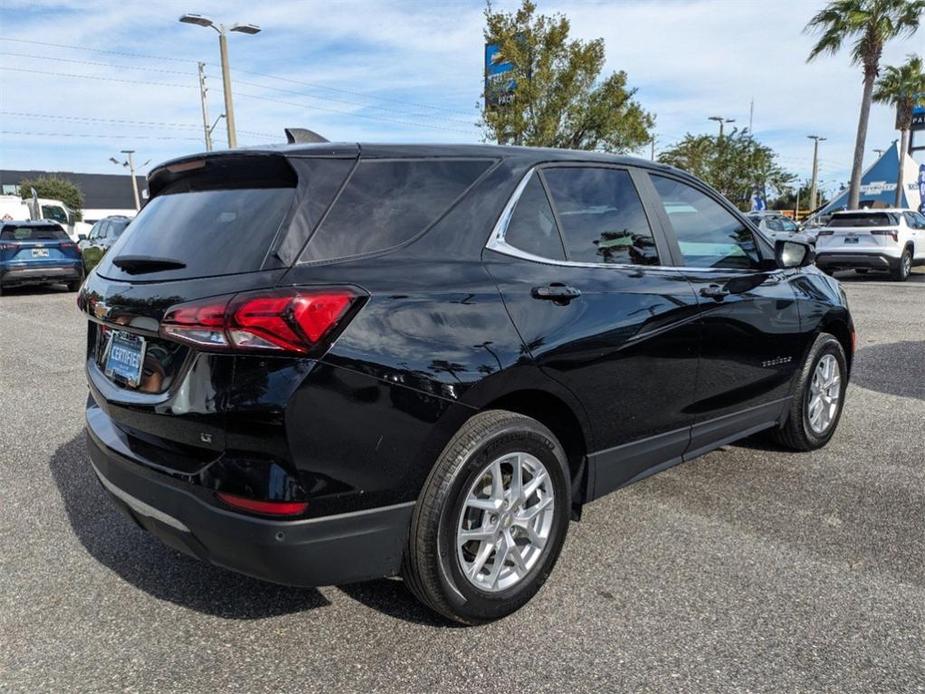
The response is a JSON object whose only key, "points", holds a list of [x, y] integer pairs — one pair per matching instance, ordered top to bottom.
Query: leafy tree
{"points": [[870, 24], [904, 88], [559, 100], [735, 164], [55, 188], [788, 198]]}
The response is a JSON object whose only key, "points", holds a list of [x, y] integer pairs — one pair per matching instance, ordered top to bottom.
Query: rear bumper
{"points": [[849, 261], [40, 274], [310, 552]]}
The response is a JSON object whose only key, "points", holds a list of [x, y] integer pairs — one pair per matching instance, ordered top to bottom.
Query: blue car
{"points": [[38, 252]]}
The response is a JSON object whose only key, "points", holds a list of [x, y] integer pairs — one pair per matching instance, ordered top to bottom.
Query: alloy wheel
{"points": [[824, 394], [506, 521]]}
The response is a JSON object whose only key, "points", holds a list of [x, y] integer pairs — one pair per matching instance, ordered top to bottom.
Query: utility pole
{"points": [[751, 115], [207, 131], [652, 155], [812, 189]]}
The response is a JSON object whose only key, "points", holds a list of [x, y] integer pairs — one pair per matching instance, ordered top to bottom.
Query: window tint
{"points": [[388, 202], [602, 217], [864, 219], [914, 220], [774, 224], [532, 227], [94, 231], [48, 232], [213, 232], [709, 236]]}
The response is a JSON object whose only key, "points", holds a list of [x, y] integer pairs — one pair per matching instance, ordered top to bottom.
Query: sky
{"points": [[82, 80]]}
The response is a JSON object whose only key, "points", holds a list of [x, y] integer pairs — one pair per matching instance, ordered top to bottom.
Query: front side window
{"points": [[601, 215], [914, 220], [532, 227], [708, 234]]}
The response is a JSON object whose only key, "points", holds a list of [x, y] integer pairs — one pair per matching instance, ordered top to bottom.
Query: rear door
{"points": [[859, 232], [581, 272], [749, 317]]}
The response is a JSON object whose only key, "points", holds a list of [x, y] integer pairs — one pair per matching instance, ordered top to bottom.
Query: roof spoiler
{"points": [[302, 136]]}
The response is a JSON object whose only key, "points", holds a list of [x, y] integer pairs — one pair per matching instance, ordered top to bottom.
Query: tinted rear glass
{"points": [[388, 202], [864, 219], [213, 232], [33, 233]]}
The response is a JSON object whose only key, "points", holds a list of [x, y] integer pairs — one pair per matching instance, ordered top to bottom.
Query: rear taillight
{"points": [[892, 233], [7, 246], [68, 246], [283, 320], [267, 508]]}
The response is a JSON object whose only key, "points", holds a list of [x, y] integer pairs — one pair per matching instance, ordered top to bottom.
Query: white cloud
{"points": [[689, 59]]}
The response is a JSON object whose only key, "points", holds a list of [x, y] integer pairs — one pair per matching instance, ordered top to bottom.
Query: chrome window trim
{"points": [[496, 242]]}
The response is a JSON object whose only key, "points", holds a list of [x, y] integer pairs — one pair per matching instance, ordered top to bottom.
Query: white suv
{"points": [[886, 240]]}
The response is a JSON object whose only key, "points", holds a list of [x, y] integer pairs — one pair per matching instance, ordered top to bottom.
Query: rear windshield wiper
{"points": [[136, 264]]}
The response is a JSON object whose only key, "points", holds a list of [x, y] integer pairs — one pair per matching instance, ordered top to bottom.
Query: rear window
{"points": [[388, 202], [864, 219], [50, 232], [213, 232]]}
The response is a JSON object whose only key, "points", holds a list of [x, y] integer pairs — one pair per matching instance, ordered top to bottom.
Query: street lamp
{"points": [[222, 30], [721, 120], [130, 163], [812, 190]]}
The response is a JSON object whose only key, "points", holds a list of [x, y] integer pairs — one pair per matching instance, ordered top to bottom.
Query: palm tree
{"points": [[871, 23], [904, 88]]}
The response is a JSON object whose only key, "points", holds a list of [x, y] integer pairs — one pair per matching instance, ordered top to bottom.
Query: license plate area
{"points": [[851, 239], [39, 252], [124, 358]]}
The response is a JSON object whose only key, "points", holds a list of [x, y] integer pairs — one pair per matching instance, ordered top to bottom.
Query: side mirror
{"points": [[793, 252]]}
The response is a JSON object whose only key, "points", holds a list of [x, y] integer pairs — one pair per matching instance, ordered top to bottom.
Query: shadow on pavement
{"points": [[37, 289], [894, 368], [139, 558], [142, 560]]}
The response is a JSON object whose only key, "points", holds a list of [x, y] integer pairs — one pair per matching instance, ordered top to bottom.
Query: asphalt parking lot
{"points": [[751, 569]]}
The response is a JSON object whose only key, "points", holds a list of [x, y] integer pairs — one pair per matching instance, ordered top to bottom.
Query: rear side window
{"points": [[388, 202], [602, 217], [864, 219], [116, 227], [532, 227], [48, 232], [213, 232]]}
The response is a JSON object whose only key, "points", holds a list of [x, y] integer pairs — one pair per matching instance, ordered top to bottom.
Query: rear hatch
{"points": [[216, 227], [861, 230], [32, 245]]}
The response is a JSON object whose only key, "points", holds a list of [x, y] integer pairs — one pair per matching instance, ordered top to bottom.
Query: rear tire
{"points": [[902, 270], [817, 401], [489, 577]]}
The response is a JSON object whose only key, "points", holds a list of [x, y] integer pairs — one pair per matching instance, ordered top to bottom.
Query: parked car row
{"points": [[41, 252]]}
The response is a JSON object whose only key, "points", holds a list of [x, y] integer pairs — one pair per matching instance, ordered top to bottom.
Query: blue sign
{"points": [[499, 77], [918, 117], [758, 203]]}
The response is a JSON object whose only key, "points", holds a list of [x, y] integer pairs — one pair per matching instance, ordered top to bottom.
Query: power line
{"points": [[92, 62], [249, 72], [98, 77], [353, 115], [120, 121], [32, 133]]}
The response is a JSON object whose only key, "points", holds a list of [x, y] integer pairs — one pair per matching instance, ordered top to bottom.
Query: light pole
{"points": [[222, 30], [721, 120], [878, 152], [130, 163], [812, 188]]}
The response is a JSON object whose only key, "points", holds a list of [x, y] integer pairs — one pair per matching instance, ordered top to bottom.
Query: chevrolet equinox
{"points": [[324, 363]]}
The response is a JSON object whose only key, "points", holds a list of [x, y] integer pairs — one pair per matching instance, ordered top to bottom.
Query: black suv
{"points": [[318, 364]]}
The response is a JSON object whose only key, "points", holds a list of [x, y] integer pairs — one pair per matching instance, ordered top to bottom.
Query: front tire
{"points": [[818, 397], [491, 519]]}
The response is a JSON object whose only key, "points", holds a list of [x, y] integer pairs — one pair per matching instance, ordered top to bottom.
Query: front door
{"points": [[580, 270], [750, 322]]}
